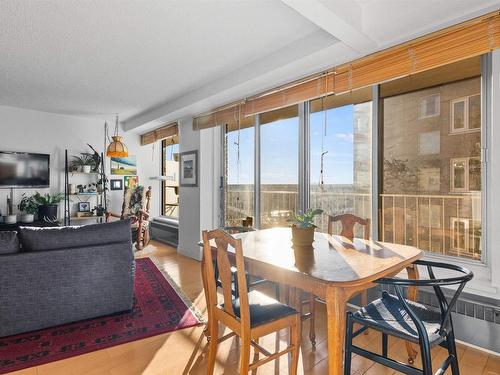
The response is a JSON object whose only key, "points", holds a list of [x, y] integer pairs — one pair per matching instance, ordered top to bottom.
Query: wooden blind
{"points": [[468, 39], [166, 131]]}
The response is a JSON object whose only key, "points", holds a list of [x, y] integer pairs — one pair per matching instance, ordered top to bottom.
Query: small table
{"points": [[334, 269]]}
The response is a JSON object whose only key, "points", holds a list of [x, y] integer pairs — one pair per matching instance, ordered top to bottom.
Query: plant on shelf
{"points": [[85, 163], [102, 184], [81, 188], [47, 205], [29, 207], [98, 210], [303, 227]]}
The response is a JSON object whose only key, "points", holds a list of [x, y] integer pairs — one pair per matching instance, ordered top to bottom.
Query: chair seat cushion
{"points": [[263, 309], [388, 315]]}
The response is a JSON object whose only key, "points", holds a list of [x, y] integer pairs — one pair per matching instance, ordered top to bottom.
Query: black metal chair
{"points": [[250, 283], [397, 316]]}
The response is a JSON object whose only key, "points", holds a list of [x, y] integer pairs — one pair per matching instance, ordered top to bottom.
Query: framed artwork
{"points": [[124, 166], [189, 168], [130, 181], [116, 184], [83, 206]]}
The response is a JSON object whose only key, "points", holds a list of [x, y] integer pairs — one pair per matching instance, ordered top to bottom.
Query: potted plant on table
{"points": [[84, 163], [48, 205], [29, 208], [303, 227]]}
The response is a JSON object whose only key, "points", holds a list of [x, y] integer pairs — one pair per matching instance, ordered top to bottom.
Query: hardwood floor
{"points": [[182, 352]]}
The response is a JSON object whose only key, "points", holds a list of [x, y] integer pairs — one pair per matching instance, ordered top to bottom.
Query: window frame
{"points": [[466, 128], [163, 183], [481, 267]]}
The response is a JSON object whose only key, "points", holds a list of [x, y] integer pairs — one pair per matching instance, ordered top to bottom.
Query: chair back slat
{"points": [[348, 221], [224, 245]]}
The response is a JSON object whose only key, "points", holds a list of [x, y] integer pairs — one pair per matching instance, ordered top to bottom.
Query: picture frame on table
{"points": [[188, 168], [83, 206]]}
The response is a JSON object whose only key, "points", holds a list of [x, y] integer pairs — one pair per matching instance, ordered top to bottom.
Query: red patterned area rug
{"points": [[158, 308]]}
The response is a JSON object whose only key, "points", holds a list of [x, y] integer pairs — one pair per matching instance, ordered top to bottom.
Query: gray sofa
{"points": [[53, 276]]}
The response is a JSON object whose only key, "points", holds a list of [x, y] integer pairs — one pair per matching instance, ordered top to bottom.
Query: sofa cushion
{"points": [[40, 239], [9, 243]]}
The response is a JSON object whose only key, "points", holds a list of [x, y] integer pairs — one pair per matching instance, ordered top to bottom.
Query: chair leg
{"points": [[364, 302], [213, 328], [312, 329], [295, 340], [348, 344], [384, 345], [452, 350], [245, 356], [426, 356], [255, 357]]}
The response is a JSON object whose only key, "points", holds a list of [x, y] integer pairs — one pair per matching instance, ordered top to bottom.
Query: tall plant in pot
{"points": [[84, 163], [47, 205], [28, 207], [303, 227]]}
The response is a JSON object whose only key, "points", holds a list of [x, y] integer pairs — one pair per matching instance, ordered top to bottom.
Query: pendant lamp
{"points": [[117, 148]]}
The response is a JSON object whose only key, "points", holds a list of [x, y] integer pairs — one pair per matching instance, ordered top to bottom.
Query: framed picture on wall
{"points": [[124, 166], [189, 168], [131, 182], [116, 184]]}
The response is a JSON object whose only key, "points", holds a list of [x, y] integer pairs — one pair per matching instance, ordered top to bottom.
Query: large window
{"points": [[279, 158], [429, 167], [239, 171], [340, 172], [170, 174], [431, 182]]}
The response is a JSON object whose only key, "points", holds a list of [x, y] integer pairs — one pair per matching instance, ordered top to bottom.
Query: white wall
{"points": [[35, 131]]}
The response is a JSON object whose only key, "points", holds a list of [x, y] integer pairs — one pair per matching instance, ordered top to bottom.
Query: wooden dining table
{"points": [[333, 269]]}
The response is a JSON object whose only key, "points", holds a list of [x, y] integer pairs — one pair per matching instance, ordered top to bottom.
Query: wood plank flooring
{"points": [[182, 352]]}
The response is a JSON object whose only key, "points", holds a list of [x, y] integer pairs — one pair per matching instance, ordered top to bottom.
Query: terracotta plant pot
{"points": [[302, 237]]}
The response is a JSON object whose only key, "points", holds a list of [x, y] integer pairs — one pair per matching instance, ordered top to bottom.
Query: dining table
{"points": [[333, 269]]}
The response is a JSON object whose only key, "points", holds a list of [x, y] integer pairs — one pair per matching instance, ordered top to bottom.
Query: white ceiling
{"points": [[158, 60]]}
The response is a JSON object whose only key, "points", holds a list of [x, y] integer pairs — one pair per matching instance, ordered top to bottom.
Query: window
{"points": [[429, 106], [466, 114], [429, 143], [340, 156], [279, 166], [239, 172], [170, 174], [465, 174], [431, 178]]}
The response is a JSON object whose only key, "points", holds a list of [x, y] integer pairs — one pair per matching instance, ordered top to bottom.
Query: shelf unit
{"points": [[96, 197]]}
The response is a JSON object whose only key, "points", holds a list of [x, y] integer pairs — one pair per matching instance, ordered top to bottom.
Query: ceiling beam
{"points": [[344, 23]]}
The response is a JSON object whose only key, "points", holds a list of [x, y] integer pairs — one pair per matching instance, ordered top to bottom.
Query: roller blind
{"points": [[466, 40], [166, 131]]}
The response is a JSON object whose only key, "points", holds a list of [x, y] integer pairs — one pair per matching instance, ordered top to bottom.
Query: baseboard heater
{"points": [[165, 230]]}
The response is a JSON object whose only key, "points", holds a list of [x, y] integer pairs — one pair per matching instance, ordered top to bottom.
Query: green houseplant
{"points": [[86, 163], [47, 205], [28, 207], [303, 227]]}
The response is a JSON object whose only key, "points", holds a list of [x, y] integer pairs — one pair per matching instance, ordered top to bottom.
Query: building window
{"points": [[429, 106], [466, 114], [465, 174], [430, 175], [170, 177]]}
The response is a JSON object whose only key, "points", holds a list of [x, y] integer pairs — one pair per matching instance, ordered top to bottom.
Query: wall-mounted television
{"points": [[24, 170]]}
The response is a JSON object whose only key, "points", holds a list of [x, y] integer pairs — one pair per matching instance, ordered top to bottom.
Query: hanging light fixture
{"points": [[117, 148]]}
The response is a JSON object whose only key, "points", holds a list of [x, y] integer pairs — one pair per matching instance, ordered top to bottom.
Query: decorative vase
{"points": [[86, 168], [72, 188], [47, 212], [27, 218], [10, 219], [302, 237]]}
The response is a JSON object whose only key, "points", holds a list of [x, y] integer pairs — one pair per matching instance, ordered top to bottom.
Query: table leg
{"points": [[412, 295], [336, 323]]}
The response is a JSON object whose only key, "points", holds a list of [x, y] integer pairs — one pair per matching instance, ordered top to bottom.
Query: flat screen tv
{"points": [[24, 170]]}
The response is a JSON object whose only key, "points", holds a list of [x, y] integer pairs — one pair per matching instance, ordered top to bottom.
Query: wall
{"points": [[35, 131]]}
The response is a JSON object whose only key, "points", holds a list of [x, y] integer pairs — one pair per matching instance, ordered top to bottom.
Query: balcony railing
{"points": [[444, 224]]}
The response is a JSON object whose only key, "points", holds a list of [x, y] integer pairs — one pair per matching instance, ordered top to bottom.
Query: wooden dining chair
{"points": [[348, 222], [251, 315], [395, 315]]}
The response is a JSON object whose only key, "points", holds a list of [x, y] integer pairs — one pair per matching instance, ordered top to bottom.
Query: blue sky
{"points": [[279, 150]]}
